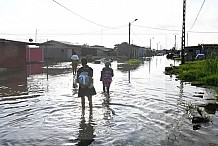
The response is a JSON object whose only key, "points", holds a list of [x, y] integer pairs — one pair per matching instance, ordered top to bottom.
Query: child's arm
{"points": [[112, 72], [101, 75]]}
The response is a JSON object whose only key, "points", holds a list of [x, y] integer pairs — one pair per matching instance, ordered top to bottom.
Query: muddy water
{"points": [[36, 109]]}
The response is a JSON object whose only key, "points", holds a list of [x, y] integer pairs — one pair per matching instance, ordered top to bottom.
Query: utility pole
{"points": [[183, 34], [36, 36], [187, 39], [150, 43], [130, 50]]}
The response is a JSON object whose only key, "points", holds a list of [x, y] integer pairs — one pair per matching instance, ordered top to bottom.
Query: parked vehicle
{"points": [[200, 57]]}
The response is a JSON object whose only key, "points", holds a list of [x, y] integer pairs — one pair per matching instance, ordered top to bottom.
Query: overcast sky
{"points": [[105, 22]]}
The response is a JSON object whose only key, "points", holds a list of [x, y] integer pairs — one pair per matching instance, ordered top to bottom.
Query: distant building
{"points": [[123, 49], [59, 50], [63, 50], [96, 51], [132, 51], [192, 51]]}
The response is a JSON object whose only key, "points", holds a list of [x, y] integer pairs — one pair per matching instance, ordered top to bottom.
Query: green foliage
{"points": [[134, 61], [211, 65], [204, 71], [192, 75], [211, 80]]}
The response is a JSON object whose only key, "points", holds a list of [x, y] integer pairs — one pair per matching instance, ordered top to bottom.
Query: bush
{"points": [[211, 65], [204, 71], [190, 75], [211, 80]]}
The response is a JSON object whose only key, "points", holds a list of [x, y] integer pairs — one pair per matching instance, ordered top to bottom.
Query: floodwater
{"points": [[42, 108]]}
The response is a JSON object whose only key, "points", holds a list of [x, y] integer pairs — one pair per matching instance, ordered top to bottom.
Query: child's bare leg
{"points": [[108, 88], [90, 102], [83, 105]]}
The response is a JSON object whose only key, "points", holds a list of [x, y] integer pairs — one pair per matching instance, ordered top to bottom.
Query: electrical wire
{"points": [[80, 15], [197, 15], [157, 28], [204, 32], [98, 33], [136, 36]]}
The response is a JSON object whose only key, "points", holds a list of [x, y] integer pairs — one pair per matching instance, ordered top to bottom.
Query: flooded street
{"points": [[36, 109]]}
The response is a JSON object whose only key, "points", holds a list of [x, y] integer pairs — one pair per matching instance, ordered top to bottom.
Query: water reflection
{"points": [[127, 67], [33, 69], [13, 83], [75, 85], [181, 87], [106, 106], [148, 111], [86, 131]]}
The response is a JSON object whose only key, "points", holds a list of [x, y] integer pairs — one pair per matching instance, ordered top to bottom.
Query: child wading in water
{"points": [[75, 61], [106, 77], [85, 80]]}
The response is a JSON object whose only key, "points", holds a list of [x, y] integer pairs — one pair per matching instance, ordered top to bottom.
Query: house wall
{"points": [[76, 49], [123, 49], [207, 49], [58, 50], [86, 51], [192, 51], [134, 52], [142, 52], [101, 53], [13, 54], [34, 55]]}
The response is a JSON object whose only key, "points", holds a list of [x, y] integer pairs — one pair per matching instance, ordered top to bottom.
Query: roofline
{"points": [[13, 41], [60, 42]]}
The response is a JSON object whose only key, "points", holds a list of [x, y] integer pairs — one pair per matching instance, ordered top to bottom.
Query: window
{"points": [[62, 50], [190, 50]]}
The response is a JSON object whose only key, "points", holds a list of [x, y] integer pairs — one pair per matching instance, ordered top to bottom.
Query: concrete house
{"points": [[123, 49], [59, 50], [96, 51], [132, 51], [192, 51], [13, 54]]}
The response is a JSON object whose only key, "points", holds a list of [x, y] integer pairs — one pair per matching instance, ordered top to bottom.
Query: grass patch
{"points": [[134, 62], [205, 71], [211, 80]]}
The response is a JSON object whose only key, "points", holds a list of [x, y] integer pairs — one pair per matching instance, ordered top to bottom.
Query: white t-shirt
{"points": [[74, 57]]}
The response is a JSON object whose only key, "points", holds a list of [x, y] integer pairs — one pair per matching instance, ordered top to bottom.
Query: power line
{"points": [[80, 15], [197, 15], [158, 28], [164, 29], [203, 32], [96, 33], [137, 36]]}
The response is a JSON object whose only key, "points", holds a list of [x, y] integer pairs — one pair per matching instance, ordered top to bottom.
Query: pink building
{"points": [[34, 54]]}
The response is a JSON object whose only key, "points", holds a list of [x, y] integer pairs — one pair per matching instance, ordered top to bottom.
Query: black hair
{"points": [[84, 61]]}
